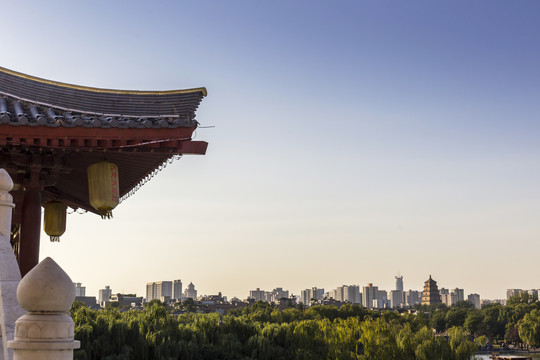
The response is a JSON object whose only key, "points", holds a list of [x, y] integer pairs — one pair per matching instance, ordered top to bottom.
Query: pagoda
{"points": [[51, 132], [431, 294]]}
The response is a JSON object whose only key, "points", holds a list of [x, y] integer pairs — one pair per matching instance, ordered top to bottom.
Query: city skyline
{"points": [[347, 141], [326, 290]]}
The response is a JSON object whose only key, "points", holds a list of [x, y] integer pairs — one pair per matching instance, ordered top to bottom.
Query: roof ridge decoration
{"points": [[32, 90], [103, 90]]}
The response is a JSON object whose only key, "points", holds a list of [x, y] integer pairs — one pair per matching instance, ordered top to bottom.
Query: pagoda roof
{"points": [[29, 100], [62, 129]]}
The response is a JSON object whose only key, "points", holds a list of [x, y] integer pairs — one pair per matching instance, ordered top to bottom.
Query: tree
{"points": [[522, 298], [463, 304], [188, 305], [349, 310], [323, 312], [456, 316], [438, 320], [473, 321], [493, 324], [529, 328], [379, 340], [460, 344], [426, 346]]}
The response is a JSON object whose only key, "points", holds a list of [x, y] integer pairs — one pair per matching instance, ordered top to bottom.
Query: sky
{"points": [[349, 141]]}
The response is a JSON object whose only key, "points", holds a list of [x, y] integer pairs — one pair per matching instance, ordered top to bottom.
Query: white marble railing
{"points": [[10, 276]]}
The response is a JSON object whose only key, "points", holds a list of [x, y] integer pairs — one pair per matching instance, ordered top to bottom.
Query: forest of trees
{"points": [[261, 331]]}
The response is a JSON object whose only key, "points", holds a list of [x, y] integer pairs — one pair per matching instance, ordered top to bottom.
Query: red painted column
{"points": [[30, 230]]}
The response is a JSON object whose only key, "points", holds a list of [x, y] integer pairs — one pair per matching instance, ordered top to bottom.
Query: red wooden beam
{"points": [[60, 132]]}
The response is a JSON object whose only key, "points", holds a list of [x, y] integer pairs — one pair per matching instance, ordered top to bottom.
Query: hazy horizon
{"points": [[353, 141]]}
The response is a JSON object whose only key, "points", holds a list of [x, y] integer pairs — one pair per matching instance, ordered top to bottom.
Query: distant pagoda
{"points": [[431, 294]]}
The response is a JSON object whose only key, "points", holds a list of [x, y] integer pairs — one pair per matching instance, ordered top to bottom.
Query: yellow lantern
{"points": [[103, 187], [54, 219]]}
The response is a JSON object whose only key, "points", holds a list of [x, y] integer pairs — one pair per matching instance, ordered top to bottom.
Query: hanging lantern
{"points": [[103, 187], [54, 219]]}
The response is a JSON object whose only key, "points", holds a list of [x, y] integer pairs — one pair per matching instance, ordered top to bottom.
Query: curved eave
{"points": [[88, 99]]}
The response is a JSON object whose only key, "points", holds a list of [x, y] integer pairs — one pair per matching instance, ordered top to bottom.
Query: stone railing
{"points": [[10, 276], [46, 293]]}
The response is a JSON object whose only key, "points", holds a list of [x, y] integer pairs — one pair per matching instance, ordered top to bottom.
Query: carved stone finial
{"points": [[6, 183], [46, 288], [47, 332]]}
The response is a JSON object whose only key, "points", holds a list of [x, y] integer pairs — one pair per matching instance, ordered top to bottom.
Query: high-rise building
{"points": [[399, 283], [177, 289], [79, 290], [160, 290], [164, 290], [150, 291], [444, 291], [190, 292], [512, 292], [279, 293], [317, 293], [347, 293], [369, 293], [308, 294], [337, 294], [351, 294], [459, 294], [104, 295], [257, 295], [430, 295], [268, 297], [305, 297], [412, 297], [447, 298], [396, 299], [381, 300], [475, 300]]}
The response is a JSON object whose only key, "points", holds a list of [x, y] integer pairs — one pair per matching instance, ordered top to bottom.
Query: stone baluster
{"points": [[10, 276], [47, 331]]}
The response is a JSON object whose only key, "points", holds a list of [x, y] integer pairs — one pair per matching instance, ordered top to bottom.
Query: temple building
{"points": [[60, 142], [431, 294]]}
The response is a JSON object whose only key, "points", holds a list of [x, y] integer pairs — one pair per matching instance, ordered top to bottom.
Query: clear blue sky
{"points": [[353, 140]]}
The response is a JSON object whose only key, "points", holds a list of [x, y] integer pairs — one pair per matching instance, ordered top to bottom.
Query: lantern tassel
{"points": [[106, 213], [55, 238]]}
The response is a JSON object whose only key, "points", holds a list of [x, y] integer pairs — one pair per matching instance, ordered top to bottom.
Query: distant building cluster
{"points": [[164, 291], [515, 292], [346, 293], [309, 295], [268, 296], [369, 296], [494, 301]]}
